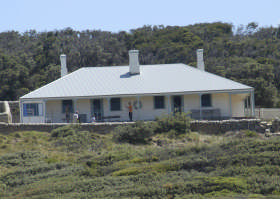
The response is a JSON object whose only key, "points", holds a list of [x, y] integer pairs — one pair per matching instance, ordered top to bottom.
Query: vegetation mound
{"points": [[141, 132], [69, 163]]}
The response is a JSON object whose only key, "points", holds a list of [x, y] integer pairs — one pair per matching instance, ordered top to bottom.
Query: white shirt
{"points": [[76, 116]]}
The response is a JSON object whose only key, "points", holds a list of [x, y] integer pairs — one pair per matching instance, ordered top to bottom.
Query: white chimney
{"points": [[200, 62], [63, 65], [134, 67]]}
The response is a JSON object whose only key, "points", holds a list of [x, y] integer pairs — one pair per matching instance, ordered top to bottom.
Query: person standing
{"points": [[130, 111], [67, 114], [76, 117], [93, 119]]}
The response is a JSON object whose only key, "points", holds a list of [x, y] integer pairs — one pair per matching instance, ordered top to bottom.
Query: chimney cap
{"points": [[199, 50], [133, 51]]}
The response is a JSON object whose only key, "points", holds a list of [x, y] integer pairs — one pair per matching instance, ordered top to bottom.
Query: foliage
{"points": [[247, 54], [176, 124], [64, 131], [140, 132], [250, 133], [72, 138], [185, 167]]}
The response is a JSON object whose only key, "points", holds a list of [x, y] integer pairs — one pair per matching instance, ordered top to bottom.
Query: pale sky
{"points": [[124, 15]]}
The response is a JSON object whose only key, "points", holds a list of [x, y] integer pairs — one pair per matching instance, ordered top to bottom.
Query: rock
{"points": [[276, 125], [267, 132]]}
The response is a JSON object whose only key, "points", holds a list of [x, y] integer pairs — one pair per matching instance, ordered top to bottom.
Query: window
{"points": [[206, 100], [159, 102], [115, 104], [67, 105], [32, 109]]}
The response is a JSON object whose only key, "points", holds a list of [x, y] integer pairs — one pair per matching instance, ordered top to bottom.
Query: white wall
{"points": [[220, 101], [191, 102], [238, 105], [83, 106], [54, 111], [108, 112], [147, 112], [32, 119]]}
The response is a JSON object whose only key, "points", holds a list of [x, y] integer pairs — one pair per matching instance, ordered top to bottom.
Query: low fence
{"points": [[267, 113], [209, 127]]}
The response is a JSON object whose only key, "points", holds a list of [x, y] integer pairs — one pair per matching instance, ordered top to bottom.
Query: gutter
{"points": [[234, 91]]}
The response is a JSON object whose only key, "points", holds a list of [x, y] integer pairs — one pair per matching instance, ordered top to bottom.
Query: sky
{"points": [[124, 15]]}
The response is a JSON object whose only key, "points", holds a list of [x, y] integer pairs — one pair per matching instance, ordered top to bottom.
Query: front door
{"points": [[177, 104], [97, 109]]}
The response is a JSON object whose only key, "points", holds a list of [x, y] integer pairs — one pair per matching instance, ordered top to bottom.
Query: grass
{"points": [[192, 165]]}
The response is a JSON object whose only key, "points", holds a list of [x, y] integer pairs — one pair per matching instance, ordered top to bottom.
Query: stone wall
{"points": [[4, 117], [209, 127], [216, 127], [101, 128]]}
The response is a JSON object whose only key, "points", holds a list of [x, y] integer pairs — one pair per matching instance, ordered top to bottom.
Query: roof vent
{"points": [[200, 62], [63, 65], [134, 67]]}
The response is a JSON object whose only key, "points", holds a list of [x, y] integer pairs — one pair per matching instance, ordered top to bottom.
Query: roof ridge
{"points": [[128, 65]]}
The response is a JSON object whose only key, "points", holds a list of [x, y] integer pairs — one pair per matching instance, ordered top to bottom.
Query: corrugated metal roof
{"points": [[116, 81]]}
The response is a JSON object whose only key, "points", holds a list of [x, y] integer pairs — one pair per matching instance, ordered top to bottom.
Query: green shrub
{"points": [[178, 123], [63, 131], [139, 132], [250, 133], [172, 134], [18, 135], [2, 137], [193, 137], [72, 138], [25, 158], [138, 160], [170, 165], [129, 171], [211, 184], [225, 193], [256, 196]]}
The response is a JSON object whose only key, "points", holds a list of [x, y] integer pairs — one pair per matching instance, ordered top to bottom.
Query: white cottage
{"points": [[105, 92]]}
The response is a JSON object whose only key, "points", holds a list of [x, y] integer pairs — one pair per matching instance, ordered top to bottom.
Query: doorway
{"points": [[177, 105], [97, 109]]}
